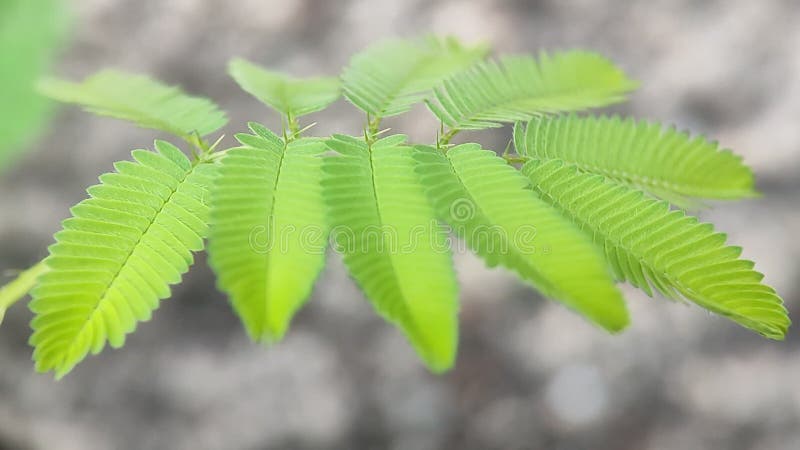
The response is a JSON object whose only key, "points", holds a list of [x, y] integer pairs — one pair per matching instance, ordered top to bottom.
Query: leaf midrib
{"points": [[512, 101], [135, 115], [682, 190], [267, 265], [540, 279], [110, 284], [687, 291], [409, 318]]}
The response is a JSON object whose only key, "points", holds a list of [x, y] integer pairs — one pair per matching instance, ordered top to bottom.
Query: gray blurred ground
{"points": [[529, 374]]}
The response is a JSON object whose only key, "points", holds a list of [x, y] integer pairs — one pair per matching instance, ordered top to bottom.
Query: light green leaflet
{"points": [[29, 34], [389, 77], [520, 87], [293, 97], [141, 100], [660, 160], [488, 204], [268, 241], [392, 243], [649, 245], [118, 255]]}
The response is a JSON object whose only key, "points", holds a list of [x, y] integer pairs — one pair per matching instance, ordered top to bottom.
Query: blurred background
{"points": [[530, 374]]}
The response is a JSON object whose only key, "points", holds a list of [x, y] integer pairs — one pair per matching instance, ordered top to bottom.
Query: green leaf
{"points": [[29, 34], [389, 77], [521, 87], [293, 97], [140, 100], [661, 161], [489, 204], [269, 234], [392, 243], [648, 245], [118, 255], [19, 287]]}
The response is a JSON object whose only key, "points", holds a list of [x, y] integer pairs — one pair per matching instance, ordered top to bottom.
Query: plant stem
{"points": [[373, 123], [294, 127], [445, 139], [200, 147], [515, 159], [20, 286]]}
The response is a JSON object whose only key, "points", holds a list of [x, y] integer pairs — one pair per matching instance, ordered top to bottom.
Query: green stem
{"points": [[372, 126], [294, 127], [445, 139], [200, 147], [216, 155], [516, 159], [20, 286]]}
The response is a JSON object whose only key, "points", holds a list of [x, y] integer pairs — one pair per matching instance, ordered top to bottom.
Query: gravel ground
{"points": [[530, 374]]}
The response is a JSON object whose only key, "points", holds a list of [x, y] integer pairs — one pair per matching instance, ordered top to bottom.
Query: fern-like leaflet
{"points": [[389, 77], [521, 87], [291, 96], [141, 100], [662, 161], [487, 203], [268, 242], [392, 243], [647, 244], [118, 254]]}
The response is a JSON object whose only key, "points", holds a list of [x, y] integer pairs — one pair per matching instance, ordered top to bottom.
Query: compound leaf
{"points": [[389, 77], [521, 87], [293, 97], [141, 100], [662, 161], [488, 204], [269, 234], [392, 243], [647, 244], [118, 255]]}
